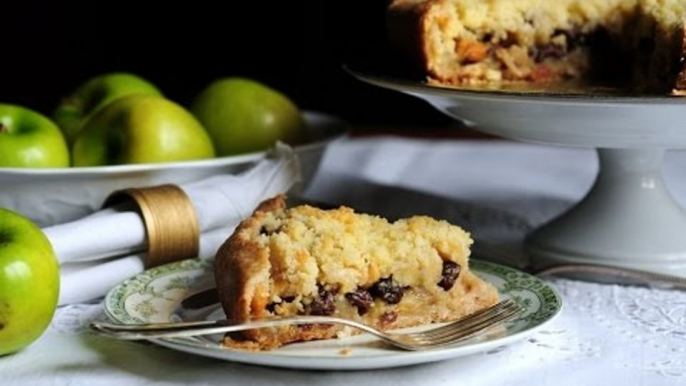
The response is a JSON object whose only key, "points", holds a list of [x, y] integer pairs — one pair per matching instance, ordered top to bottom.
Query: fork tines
{"points": [[469, 325]]}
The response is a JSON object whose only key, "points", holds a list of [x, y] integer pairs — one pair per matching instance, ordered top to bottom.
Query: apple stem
{"points": [[4, 128]]}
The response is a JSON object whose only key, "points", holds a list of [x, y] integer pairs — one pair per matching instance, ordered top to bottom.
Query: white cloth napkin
{"points": [[102, 249]]}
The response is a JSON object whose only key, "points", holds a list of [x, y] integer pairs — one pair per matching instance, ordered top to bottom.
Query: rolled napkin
{"points": [[219, 201], [109, 232], [106, 247], [82, 282]]}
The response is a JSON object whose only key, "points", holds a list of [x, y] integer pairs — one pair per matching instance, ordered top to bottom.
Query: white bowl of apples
{"points": [[112, 154]]}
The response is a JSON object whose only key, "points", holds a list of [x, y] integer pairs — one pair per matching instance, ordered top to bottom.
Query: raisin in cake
{"points": [[637, 42], [308, 261]]}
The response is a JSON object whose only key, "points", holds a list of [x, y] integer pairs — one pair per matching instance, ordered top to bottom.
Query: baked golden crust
{"points": [[405, 22], [680, 87], [304, 260], [242, 266], [242, 270]]}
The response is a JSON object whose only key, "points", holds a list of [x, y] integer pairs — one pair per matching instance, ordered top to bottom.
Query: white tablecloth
{"points": [[606, 334]]}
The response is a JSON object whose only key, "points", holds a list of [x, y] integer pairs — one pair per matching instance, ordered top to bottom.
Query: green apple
{"points": [[74, 110], [242, 115], [141, 129], [29, 139], [29, 282]]}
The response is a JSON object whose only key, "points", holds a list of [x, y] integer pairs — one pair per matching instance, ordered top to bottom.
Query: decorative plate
{"points": [[157, 294]]}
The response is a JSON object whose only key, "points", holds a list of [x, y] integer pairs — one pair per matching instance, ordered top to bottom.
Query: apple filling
{"points": [[512, 56], [564, 56]]}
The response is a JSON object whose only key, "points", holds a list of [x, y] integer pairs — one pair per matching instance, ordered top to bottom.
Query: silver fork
{"points": [[445, 335]]}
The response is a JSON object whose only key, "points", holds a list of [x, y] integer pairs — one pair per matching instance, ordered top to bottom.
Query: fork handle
{"points": [[104, 326], [176, 330]]}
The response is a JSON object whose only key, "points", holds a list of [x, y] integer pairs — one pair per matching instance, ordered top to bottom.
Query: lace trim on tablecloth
{"points": [[75, 319], [598, 320]]}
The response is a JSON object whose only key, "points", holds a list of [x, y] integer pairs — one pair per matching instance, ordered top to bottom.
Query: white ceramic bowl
{"points": [[53, 196]]}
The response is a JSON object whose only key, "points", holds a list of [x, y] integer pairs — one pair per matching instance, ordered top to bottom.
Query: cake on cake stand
{"points": [[628, 218]]}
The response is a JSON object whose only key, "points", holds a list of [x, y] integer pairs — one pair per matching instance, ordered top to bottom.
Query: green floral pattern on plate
{"points": [[152, 295], [155, 296]]}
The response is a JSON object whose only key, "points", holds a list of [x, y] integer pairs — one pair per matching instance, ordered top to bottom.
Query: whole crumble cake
{"points": [[637, 42]]}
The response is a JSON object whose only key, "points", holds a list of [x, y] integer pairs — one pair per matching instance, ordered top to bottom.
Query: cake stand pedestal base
{"points": [[627, 219]]}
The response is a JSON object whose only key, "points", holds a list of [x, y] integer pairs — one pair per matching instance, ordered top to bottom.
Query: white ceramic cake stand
{"points": [[628, 218]]}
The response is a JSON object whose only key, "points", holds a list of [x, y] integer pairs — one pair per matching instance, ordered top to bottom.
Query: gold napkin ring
{"points": [[170, 221]]}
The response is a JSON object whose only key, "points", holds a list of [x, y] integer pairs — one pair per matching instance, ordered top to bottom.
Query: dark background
{"points": [[298, 47]]}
